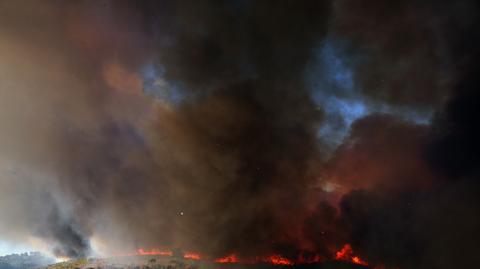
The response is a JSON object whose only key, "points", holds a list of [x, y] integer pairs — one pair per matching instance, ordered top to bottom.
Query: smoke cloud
{"points": [[246, 127]]}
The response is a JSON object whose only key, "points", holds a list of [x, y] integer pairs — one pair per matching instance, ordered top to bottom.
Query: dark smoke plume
{"points": [[232, 158]]}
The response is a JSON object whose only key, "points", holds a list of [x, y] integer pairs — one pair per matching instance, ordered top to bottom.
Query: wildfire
{"points": [[141, 251], [346, 254], [187, 255], [191, 256], [228, 259], [273, 259], [277, 259]]}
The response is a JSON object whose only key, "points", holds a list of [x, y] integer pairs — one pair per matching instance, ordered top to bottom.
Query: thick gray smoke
{"points": [[225, 164]]}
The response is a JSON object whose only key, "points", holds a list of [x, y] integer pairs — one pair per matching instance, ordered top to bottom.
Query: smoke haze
{"points": [[247, 127]]}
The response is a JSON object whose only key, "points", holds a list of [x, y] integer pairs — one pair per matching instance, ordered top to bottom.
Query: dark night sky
{"points": [[241, 126]]}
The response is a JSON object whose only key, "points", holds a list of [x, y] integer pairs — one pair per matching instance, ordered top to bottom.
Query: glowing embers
{"points": [[141, 251], [346, 254], [187, 255], [191, 256], [228, 259], [272, 259], [277, 259]]}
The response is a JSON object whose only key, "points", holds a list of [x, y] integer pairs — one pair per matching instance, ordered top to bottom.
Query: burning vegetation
{"points": [[344, 255]]}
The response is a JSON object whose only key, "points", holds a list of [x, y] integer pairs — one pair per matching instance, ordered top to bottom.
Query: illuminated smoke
{"points": [[242, 129]]}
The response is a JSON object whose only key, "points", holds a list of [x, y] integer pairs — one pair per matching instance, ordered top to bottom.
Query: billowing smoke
{"points": [[247, 127]]}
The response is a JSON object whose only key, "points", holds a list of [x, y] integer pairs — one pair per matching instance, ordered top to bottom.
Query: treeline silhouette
{"points": [[24, 261]]}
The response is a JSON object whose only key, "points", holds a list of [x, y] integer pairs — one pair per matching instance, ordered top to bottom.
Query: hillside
{"points": [[159, 262]]}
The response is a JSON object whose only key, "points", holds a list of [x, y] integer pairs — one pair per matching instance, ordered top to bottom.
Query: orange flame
{"points": [[141, 251], [346, 254], [188, 255], [192, 256], [228, 259], [272, 259], [277, 259]]}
